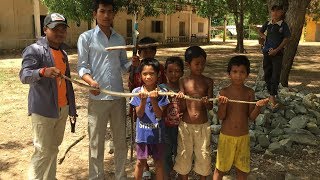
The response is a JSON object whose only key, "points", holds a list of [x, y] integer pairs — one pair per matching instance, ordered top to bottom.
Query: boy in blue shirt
{"points": [[276, 38], [149, 107]]}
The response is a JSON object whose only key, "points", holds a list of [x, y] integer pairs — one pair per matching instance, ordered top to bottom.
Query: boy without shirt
{"points": [[194, 130], [234, 141]]}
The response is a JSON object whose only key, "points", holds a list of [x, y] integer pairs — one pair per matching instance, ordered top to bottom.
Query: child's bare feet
{"points": [[274, 103]]}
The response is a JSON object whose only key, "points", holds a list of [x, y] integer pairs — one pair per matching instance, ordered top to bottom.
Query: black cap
{"points": [[276, 7], [54, 19]]}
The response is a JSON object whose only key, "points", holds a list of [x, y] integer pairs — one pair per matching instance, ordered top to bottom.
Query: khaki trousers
{"points": [[99, 114], [47, 136]]}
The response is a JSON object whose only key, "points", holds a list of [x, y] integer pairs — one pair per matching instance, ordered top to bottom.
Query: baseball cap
{"points": [[54, 19]]}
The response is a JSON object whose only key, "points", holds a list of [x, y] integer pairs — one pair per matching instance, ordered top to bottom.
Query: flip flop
{"points": [[275, 105], [146, 175]]}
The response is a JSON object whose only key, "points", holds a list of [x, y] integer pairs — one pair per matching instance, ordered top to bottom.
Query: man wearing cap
{"points": [[276, 37], [51, 98]]}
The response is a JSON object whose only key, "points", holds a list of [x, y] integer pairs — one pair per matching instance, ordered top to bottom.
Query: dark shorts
{"points": [[156, 151]]}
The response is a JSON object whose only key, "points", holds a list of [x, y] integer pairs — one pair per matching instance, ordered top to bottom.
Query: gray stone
{"points": [[260, 85], [284, 92], [261, 94], [300, 95], [310, 100], [286, 101], [300, 109], [266, 111], [210, 114], [276, 114], [289, 114], [315, 114], [214, 119], [261, 120], [312, 120], [278, 121], [298, 122], [252, 125], [259, 128], [313, 128], [215, 129], [265, 130], [296, 131], [258, 132], [276, 132], [252, 135], [215, 139], [276, 139], [304, 139], [263, 141], [287, 143], [252, 144], [276, 147], [258, 148], [268, 154], [289, 176]]}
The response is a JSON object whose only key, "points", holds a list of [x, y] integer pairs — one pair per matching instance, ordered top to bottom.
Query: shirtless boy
{"points": [[194, 129], [234, 140]]}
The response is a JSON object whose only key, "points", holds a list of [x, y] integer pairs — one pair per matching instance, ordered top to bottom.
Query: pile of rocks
{"points": [[296, 121]]}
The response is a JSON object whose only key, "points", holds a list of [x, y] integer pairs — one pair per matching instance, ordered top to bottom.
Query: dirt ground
{"points": [[16, 138]]}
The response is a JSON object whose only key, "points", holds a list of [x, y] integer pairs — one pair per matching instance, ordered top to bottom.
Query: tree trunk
{"points": [[295, 18], [239, 19], [89, 24], [224, 28], [209, 30]]}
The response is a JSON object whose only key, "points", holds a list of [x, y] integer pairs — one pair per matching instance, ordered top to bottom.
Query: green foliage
{"points": [[146, 8], [211, 8], [314, 9], [75, 10], [255, 11]]}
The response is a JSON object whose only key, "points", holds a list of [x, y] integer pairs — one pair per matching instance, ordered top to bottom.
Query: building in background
{"points": [[21, 23], [312, 30]]}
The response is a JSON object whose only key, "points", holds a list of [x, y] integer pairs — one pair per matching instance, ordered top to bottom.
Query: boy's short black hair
{"points": [[96, 3], [276, 7], [147, 40], [194, 52], [174, 60], [237, 61], [150, 62]]}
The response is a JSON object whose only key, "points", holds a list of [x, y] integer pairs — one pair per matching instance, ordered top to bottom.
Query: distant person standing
{"points": [[276, 37], [51, 98]]}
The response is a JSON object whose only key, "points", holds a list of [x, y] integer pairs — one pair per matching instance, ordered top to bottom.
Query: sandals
{"points": [[146, 175]]}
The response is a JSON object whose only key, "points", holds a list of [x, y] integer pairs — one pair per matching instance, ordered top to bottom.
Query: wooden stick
{"points": [[130, 47], [121, 94], [68, 149]]}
